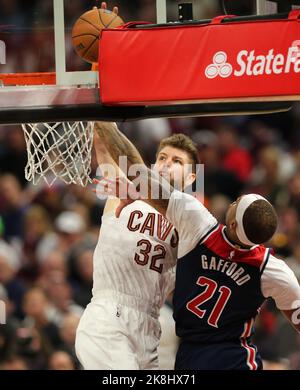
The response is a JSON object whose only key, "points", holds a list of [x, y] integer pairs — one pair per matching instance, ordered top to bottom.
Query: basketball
{"points": [[86, 31]]}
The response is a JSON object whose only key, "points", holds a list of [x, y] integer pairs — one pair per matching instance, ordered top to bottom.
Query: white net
{"points": [[59, 150]]}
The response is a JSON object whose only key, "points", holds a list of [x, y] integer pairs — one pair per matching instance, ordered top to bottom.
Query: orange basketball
{"points": [[86, 31]]}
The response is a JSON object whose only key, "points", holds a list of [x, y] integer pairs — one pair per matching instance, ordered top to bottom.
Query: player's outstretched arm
{"points": [[109, 141], [127, 191], [191, 219], [279, 282]]}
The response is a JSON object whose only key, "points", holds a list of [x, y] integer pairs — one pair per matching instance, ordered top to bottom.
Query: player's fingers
{"points": [[103, 5], [116, 10], [104, 180], [96, 181], [110, 181], [102, 183], [103, 190]]}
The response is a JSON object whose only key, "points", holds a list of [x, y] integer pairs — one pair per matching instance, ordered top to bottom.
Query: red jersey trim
{"points": [[218, 243]]}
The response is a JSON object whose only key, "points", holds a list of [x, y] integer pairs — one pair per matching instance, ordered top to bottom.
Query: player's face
{"points": [[175, 166], [231, 212]]}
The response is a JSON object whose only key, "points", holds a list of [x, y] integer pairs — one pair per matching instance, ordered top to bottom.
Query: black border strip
{"points": [[86, 112]]}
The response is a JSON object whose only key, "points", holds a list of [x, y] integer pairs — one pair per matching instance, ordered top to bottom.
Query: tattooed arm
{"points": [[109, 141], [110, 144]]}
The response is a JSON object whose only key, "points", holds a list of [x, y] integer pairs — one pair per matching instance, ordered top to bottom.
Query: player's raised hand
{"points": [[104, 6], [119, 187]]}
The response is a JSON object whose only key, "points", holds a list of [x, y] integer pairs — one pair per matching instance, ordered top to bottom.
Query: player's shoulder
{"points": [[217, 241], [277, 266], [279, 280]]}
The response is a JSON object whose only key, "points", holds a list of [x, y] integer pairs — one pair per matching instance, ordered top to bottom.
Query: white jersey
{"points": [[136, 255]]}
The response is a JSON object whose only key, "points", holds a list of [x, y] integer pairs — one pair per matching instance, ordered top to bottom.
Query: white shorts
{"points": [[115, 334]]}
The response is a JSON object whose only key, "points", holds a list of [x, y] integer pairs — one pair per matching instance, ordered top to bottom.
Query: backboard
{"points": [[36, 37], [36, 53], [42, 76]]}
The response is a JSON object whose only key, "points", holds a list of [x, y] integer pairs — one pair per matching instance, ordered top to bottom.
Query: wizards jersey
{"points": [[219, 290], [223, 295]]}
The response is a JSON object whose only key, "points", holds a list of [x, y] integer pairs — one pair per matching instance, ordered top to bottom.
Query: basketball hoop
{"points": [[58, 109], [60, 150]]}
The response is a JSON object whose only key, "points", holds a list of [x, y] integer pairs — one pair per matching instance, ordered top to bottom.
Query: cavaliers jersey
{"points": [[135, 255], [219, 288]]}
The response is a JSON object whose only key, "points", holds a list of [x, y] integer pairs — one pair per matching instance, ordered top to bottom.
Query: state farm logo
{"points": [[249, 63], [219, 67]]}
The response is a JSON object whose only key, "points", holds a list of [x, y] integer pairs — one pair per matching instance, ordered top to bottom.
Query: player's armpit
{"points": [[110, 206], [294, 317]]}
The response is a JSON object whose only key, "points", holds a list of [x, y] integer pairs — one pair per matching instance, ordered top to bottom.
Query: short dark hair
{"points": [[182, 142], [260, 221]]}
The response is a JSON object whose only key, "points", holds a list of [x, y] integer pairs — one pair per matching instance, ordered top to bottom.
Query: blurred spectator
{"points": [[11, 13], [150, 132], [14, 155], [234, 158], [273, 168], [266, 174], [216, 179], [294, 192], [13, 205], [218, 207], [36, 226], [70, 228], [288, 231], [8, 250], [55, 261], [293, 261], [84, 267], [15, 288], [60, 294], [37, 309], [7, 330], [68, 333], [31, 345], [294, 359], [61, 360], [14, 363], [281, 365]]}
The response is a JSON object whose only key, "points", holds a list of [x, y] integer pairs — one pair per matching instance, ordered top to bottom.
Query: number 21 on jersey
{"points": [[210, 289]]}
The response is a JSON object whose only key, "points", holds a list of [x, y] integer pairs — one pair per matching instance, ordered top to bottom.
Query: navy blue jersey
{"points": [[218, 290]]}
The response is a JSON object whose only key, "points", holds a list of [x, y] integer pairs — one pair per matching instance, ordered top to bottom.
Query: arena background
{"points": [[47, 235]]}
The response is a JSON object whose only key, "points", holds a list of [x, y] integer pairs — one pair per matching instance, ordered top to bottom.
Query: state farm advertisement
{"points": [[190, 63]]}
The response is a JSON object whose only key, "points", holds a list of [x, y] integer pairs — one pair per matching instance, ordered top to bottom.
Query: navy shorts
{"points": [[240, 355]]}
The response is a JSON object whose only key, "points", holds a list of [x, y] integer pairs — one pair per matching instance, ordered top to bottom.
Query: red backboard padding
{"points": [[190, 63]]}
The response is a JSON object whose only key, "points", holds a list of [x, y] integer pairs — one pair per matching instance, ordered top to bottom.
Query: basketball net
{"points": [[59, 150]]}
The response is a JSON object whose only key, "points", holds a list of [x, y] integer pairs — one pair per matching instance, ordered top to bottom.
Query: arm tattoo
{"points": [[116, 143]]}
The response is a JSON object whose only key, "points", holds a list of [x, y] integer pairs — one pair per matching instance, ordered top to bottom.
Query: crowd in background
{"points": [[48, 234]]}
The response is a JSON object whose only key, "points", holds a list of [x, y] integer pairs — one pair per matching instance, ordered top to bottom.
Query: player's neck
{"points": [[234, 241]]}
